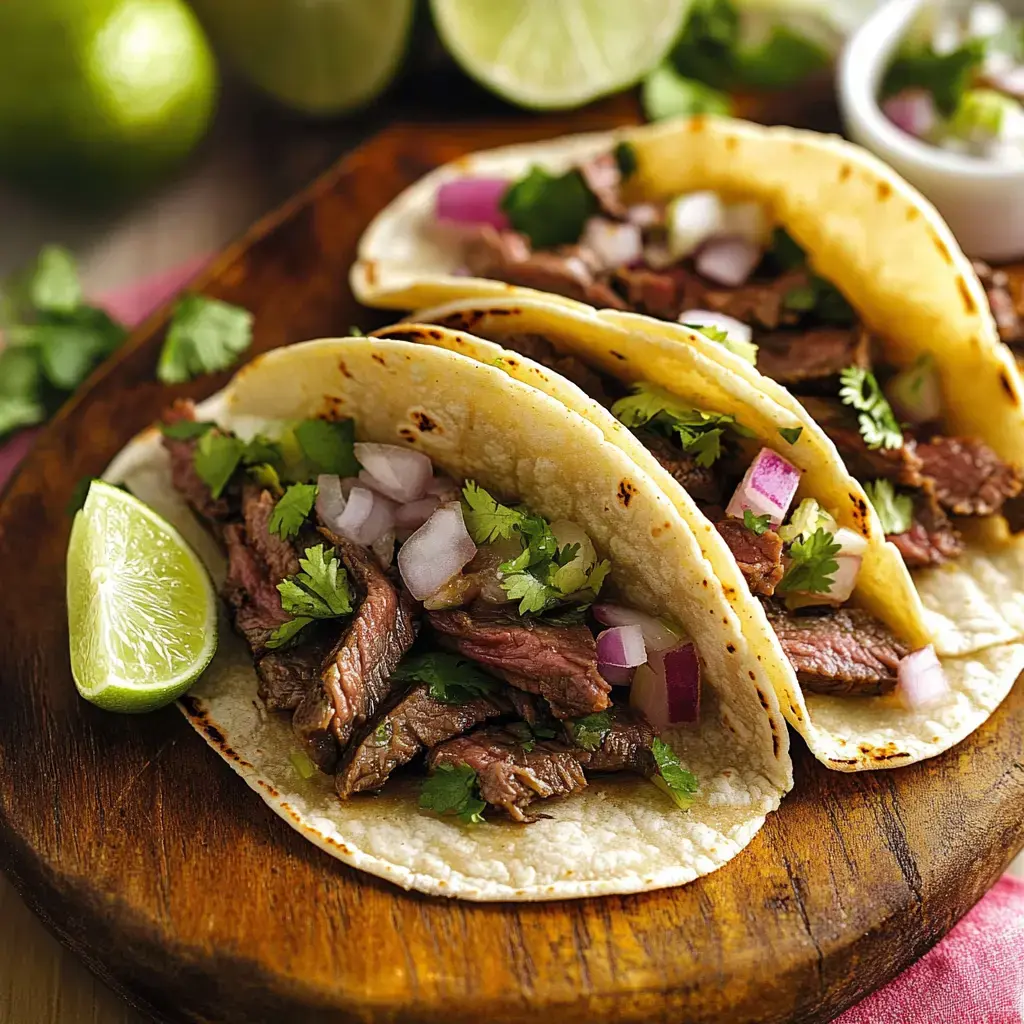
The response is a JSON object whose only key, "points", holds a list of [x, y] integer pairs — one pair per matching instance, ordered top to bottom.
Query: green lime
{"points": [[558, 53], [319, 56], [98, 98], [142, 614]]}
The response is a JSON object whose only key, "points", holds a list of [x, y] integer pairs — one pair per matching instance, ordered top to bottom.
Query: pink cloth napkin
{"points": [[975, 975]]}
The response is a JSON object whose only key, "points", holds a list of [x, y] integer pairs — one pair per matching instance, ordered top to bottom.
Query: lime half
{"points": [[558, 53], [142, 614]]}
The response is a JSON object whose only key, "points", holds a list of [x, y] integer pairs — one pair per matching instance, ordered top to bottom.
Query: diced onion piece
{"points": [[986, 18], [912, 111], [472, 201], [645, 215], [691, 220], [749, 220], [614, 243], [728, 261], [736, 329], [916, 392], [401, 474], [444, 487], [767, 488], [330, 499], [412, 515], [367, 516], [850, 542], [384, 548], [436, 552], [844, 579], [657, 635], [621, 647], [616, 675], [921, 679], [667, 688]]}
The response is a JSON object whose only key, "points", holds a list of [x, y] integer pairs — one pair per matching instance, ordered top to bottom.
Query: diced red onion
{"points": [[912, 111], [472, 201], [645, 215], [691, 220], [614, 243], [727, 261], [736, 329], [916, 392], [401, 474], [767, 488], [330, 499], [414, 514], [365, 518], [436, 552], [657, 636], [621, 647], [616, 675], [921, 679], [667, 688]]}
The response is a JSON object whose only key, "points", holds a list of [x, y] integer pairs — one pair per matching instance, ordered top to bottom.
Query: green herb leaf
{"points": [[709, 38], [784, 58], [946, 76], [665, 93], [625, 157], [550, 209], [786, 253], [53, 286], [821, 298], [356, 332], [206, 335], [746, 350], [19, 412], [877, 423], [185, 430], [790, 434], [328, 446], [217, 457], [266, 476], [292, 510], [896, 511], [486, 519], [806, 519], [758, 525], [813, 565], [321, 590], [533, 594], [287, 632], [452, 679], [589, 732], [679, 783], [452, 789]]}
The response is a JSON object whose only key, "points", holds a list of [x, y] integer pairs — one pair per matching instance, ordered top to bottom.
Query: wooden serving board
{"points": [[179, 887]]}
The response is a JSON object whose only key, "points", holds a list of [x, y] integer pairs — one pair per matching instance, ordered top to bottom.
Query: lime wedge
{"points": [[558, 53], [142, 614]]}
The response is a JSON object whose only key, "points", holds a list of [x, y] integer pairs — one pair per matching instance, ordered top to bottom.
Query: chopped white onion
{"points": [[986, 18], [912, 111], [472, 201], [645, 215], [691, 220], [749, 220], [614, 243], [658, 257], [727, 261], [737, 330], [916, 392], [401, 474], [444, 487], [767, 488], [330, 499], [414, 514], [366, 517], [850, 542], [384, 548], [436, 552], [844, 579], [657, 636], [621, 647], [921, 679], [667, 688]]}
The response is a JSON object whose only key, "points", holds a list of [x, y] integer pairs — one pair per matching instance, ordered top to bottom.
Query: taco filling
{"points": [[403, 618]]}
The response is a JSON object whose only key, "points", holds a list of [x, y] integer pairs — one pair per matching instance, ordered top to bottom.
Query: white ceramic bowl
{"points": [[982, 201]]}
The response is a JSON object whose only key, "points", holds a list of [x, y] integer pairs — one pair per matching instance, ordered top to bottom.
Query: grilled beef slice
{"points": [[658, 293], [760, 302], [1005, 310], [810, 361], [183, 470], [969, 478], [702, 483], [932, 539], [758, 557], [844, 652], [558, 662], [357, 673], [413, 723], [625, 747], [509, 776]]}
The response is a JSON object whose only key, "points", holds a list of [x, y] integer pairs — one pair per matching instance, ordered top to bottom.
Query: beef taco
{"points": [[800, 549], [476, 650]]}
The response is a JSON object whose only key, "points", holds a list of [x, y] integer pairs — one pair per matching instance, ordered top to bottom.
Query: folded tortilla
{"points": [[475, 421]]}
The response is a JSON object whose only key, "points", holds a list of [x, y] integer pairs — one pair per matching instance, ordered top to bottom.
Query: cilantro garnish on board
{"points": [[550, 209], [206, 335], [877, 422], [292, 509], [895, 511], [812, 566], [320, 591], [452, 679], [678, 782], [452, 789]]}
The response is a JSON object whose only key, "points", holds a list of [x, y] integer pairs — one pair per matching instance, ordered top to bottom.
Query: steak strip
{"points": [[759, 557]]}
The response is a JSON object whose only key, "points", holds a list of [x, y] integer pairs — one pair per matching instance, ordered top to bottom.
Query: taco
{"points": [[442, 583], [827, 601]]}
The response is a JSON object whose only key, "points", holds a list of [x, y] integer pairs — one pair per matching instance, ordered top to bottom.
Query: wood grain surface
{"points": [[179, 887]]}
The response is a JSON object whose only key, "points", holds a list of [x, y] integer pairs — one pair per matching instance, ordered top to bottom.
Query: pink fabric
{"points": [[975, 975]]}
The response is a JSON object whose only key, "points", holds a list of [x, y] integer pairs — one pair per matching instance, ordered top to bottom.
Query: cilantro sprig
{"points": [[550, 209], [822, 299], [206, 335], [860, 390], [292, 508], [895, 511], [758, 525], [812, 566], [320, 591], [452, 679], [589, 732], [672, 778], [453, 790]]}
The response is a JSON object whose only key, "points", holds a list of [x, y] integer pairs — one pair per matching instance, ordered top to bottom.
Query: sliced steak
{"points": [[603, 177], [657, 293], [759, 302], [1005, 311], [540, 350], [809, 362], [969, 478], [186, 480], [700, 482], [1014, 512], [932, 539], [759, 557], [842, 651], [558, 662], [357, 673], [286, 676], [413, 723], [625, 747], [509, 776]]}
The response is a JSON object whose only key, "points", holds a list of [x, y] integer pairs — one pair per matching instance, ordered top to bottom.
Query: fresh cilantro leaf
{"points": [[705, 47], [784, 58], [946, 76], [665, 93], [625, 157], [550, 209], [786, 253], [54, 286], [821, 298], [800, 299], [206, 335], [67, 353], [20, 376], [861, 392], [19, 412], [185, 430], [790, 434], [328, 446], [217, 457], [266, 476], [292, 510], [895, 511], [486, 519], [759, 525], [812, 565], [597, 576], [568, 579], [321, 590], [533, 594], [286, 633], [452, 679], [589, 732], [302, 763], [679, 783], [452, 789]]}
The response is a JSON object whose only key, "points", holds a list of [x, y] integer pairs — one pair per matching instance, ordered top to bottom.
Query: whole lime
{"points": [[99, 98]]}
